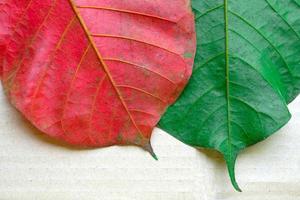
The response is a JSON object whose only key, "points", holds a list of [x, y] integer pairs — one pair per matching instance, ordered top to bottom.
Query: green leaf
{"points": [[247, 69]]}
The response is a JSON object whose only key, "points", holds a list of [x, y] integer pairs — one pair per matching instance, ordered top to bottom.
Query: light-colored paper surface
{"points": [[32, 168]]}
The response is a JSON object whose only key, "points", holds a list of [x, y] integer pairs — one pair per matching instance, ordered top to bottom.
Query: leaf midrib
{"points": [[91, 41], [227, 74], [231, 159]]}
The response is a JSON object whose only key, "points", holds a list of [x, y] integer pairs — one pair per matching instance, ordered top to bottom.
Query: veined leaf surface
{"points": [[247, 69], [96, 72]]}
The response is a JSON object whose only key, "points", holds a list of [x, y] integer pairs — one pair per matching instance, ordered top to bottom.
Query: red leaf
{"points": [[96, 72]]}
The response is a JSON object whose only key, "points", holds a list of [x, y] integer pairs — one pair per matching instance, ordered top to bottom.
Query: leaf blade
{"points": [[242, 80], [66, 81]]}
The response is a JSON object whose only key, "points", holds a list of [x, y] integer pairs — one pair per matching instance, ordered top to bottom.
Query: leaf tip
{"points": [[148, 147], [230, 161]]}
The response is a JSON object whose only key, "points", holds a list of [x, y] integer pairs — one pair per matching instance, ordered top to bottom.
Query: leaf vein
{"points": [[126, 11], [208, 11], [283, 19], [266, 39], [136, 40], [51, 61], [139, 66], [13, 75], [141, 90]]}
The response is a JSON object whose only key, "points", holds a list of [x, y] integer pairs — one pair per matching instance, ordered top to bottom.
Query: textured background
{"points": [[32, 167]]}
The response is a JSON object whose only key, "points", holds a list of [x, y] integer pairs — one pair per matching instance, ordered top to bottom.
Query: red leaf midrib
{"points": [[91, 41]]}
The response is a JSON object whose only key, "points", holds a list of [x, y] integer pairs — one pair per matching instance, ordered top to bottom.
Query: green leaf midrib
{"points": [[227, 75], [228, 155]]}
